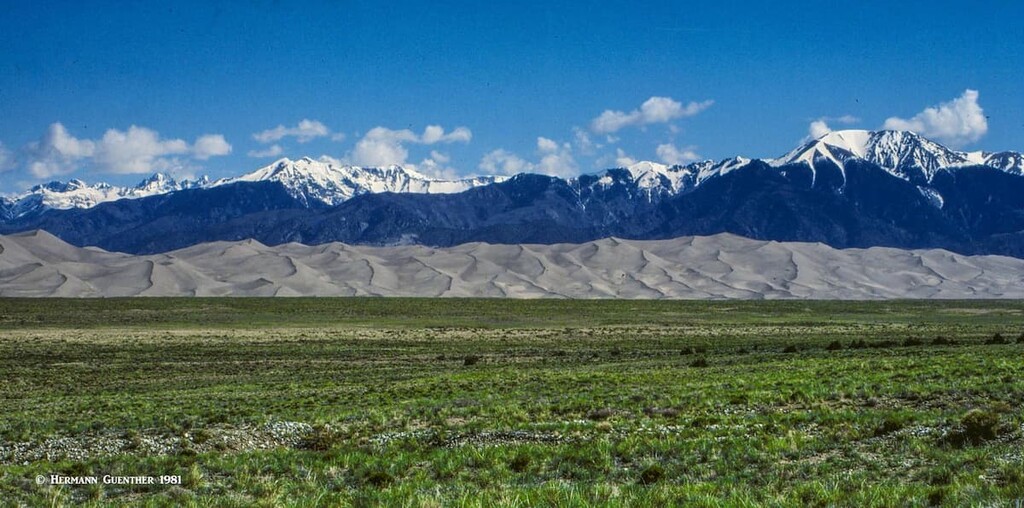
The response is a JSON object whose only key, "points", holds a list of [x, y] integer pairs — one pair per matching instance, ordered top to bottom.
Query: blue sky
{"points": [[109, 91]]}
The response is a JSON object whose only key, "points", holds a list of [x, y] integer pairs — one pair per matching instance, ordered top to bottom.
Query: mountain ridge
{"points": [[325, 183], [836, 198]]}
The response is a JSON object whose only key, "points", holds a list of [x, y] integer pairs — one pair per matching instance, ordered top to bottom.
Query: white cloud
{"points": [[653, 110], [957, 122], [818, 128], [305, 131], [435, 134], [583, 143], [210, 145], [545, 145], [383, 147], [376, 149], [136, 150], [270, 151], [57, 153], [672, 154], [442, 158], [6, 159], [331, 160], [555, 160], [622, 160], [503, 162], [436, 168]]}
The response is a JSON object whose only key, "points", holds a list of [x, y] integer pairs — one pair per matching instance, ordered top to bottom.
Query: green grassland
{"points": [[427, 402]]}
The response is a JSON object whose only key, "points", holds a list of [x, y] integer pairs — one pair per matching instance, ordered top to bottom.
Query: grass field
{"points": [[421, 402]]}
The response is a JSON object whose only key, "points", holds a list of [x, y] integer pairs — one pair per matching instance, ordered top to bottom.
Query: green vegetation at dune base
{"points": [[515, 403]]}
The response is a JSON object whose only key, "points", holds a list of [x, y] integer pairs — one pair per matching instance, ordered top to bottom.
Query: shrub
{"points": [[997, 338], [470, 360], [668, 412], [601, 414], [980, 425], [888, 426], [976, 426], [201, 436], [321, 438], [134, 439], [520, 462], [652, 474], [193, 478], [378, 478]]}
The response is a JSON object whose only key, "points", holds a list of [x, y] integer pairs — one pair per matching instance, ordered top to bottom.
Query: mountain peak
{"points": [[905, 154], [315, 182]]}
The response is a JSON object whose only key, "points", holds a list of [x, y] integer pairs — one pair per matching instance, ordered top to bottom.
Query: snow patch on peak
{"points": [[904, 154], [325, 183], [76, 193]]}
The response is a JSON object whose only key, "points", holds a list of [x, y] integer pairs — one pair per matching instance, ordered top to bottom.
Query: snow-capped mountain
{"points": [[904, 154], [651, 180], [315, 182], [318, 184], [846, 189], [78, 194]]}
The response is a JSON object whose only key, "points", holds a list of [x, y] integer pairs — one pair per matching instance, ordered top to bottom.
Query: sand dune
{"points": [[38, 264]]}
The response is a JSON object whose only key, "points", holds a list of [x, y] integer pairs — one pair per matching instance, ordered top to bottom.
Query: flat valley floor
{"points": [[476, 402]]}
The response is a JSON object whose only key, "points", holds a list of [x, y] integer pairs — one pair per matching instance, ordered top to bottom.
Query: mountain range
{"points": [[846, 189]]}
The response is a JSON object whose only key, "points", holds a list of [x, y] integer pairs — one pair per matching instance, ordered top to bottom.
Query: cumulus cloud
{"points": [[653, 110], [957, 122], [820, 127], [305, 131], [435, 134], [583, 143], [210, 145], [545, 145], [383, 147], [136, 150], [270, 151], [57, 153], [671, 154], [442, 158], [6, 159], [556, 159], [622, 160], [503, 162], [436, 166]]}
